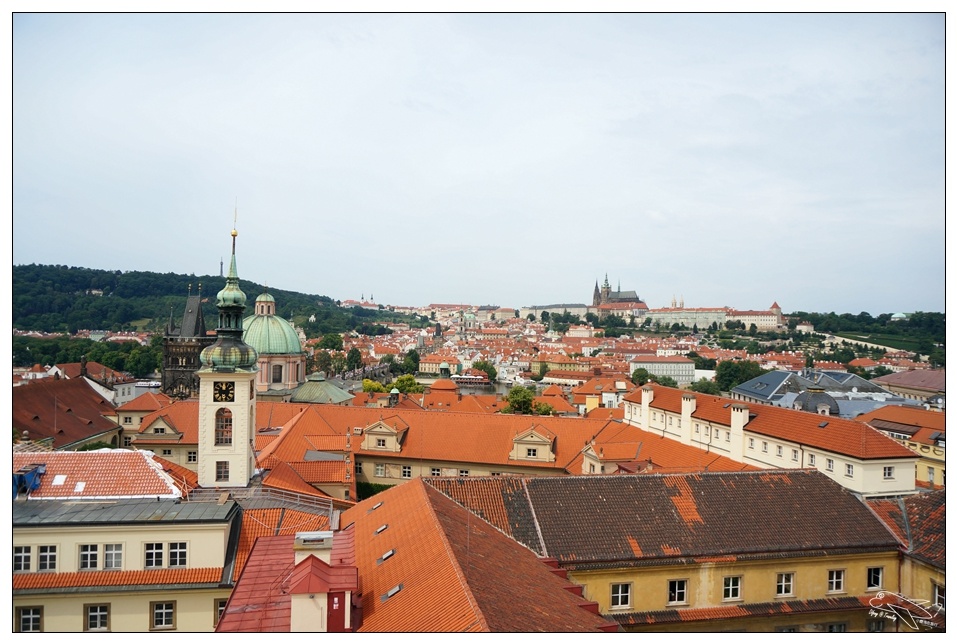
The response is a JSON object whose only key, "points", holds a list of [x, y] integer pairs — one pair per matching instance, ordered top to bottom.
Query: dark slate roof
{"points": [[194, 325], [933, 380], [766, 387], [138, 511], [919, 520], [591, 521]]}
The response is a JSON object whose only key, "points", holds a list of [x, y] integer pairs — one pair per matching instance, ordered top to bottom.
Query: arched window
{"points": [[224, 427]]}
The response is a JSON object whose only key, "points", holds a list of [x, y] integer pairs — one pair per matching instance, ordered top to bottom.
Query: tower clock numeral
{"points": [[224, 391]]}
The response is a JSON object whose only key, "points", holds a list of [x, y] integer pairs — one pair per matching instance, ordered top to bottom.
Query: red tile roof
{"points": [[68, 411], [100, 474], [108, 578]]}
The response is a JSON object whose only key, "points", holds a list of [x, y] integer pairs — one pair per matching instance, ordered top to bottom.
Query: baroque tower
{"points": [[227, 394]]}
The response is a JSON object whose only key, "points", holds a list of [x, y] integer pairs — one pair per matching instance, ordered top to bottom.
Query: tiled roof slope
{"points": [[933, 380], [148, 401], [68, 411], [919, 423], [838, 435], [99, 474], [590, 520], [273, 521], [919, 522], [458, 573], [111, 579]]}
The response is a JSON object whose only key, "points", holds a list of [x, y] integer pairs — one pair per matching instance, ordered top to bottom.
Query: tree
{"points": [[331, 341], [353, 359], [323, 362], [487, 367], [731, 373], [640, 376], [665, 381], [406, 384], [371, 386], [705, 386], [519, 400], [542, 409]]}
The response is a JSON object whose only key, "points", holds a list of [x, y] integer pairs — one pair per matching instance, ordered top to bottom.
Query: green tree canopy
{"points": [[331, 341], [353, 359], [487, 367], [731, 373], [640, 376], [665, 381], [406, 384], [371, 386], [705, 386], [520, 400]]}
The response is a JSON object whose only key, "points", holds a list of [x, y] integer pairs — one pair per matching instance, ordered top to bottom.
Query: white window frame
{"points": [[380, 443], [750, 443], [811, 460], [829, 464], [380, 470], [848, 470], [406, 471], [436, 471], [463, 472], [888, 472], [177, 554], [153, 555], [112, 556], [22, 558], [46, 558], [89, 558], [875, 573], [835, 581], [785, 585], [731, 588], [677, 591], [620, 596], [99, 612], [163, 616]]}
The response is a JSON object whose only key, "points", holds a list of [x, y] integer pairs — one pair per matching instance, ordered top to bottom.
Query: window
{"points": [[277, 373], [127, 420], [224, 427], [697, 428], [159, 430], [707, 431], [717, 434], [127, 441], [380, 442], [750, 443], [764, 446], [167, 452], [531, 452], [779, 452], [794, 455], [191, 457], [811, 460], [829, 465], [358, 467], [591, 468], [379, 469], [222, 470], [848, 470], [406, 471], [435, 471], [463, 472], [889, 472], [930, 475], [177, 554], [154, 555], [88, 556], [113, 556], [21, 558], [47, 559], [875, 578], [835, 581], [785, 584], [732, 588], [678, 591], [939, 595], [620, 596], [219, 607], [162, 615], [97, 617], [30, 619], [875, 626], [840, 627]]}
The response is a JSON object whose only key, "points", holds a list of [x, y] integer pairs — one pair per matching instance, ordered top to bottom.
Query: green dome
{"points": [[265, 297], [270, 334]]}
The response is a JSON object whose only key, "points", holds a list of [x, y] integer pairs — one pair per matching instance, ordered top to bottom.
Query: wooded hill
{"points": [[54, 298]]}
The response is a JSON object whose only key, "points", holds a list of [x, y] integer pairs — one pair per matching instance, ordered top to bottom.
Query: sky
{"points": [[722, 159]]}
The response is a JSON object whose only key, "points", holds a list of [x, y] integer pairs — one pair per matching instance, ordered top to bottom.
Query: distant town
{"points": [[569, 467]]}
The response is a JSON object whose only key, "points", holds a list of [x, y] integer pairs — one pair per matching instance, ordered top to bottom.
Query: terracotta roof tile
{"points": [[100, 474], [107, 578]]}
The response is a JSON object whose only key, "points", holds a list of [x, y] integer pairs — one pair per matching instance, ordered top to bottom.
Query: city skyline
{"points": [[723, 159]]}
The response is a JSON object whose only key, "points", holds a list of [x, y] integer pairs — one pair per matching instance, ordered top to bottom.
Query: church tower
{"points": [[227, 394]]}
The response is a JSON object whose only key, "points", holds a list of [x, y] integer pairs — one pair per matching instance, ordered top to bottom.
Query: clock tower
{"points": [[227, 394]]}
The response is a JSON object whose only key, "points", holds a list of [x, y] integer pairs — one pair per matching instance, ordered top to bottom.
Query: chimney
{"points": [[647, 395], [688, 405], [739, 418], [317, 543]]}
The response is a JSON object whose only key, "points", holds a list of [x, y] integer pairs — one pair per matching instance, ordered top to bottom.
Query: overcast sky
{"points": [[726, 159]]}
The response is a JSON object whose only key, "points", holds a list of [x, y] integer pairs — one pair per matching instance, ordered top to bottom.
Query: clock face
{"points": [[224, 391]]}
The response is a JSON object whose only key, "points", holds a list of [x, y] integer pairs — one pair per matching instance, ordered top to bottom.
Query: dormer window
{"points": [[159, 430], [380, 442], [531, 452], [381, 528]]}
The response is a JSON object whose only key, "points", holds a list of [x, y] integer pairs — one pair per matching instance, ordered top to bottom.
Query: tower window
{"points": [[277, 373], [224, 427]]}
